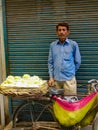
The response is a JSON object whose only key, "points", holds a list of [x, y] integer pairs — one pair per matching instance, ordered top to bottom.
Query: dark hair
{"points": [[63, 24]]}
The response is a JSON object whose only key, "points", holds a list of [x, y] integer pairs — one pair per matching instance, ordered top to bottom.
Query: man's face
{"points": [[62, 33]]}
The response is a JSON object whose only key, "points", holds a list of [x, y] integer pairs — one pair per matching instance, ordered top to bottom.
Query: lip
{"points": [[61, 35]]}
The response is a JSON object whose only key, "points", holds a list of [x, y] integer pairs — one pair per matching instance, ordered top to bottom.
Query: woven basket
{"points": [[24, 91]]}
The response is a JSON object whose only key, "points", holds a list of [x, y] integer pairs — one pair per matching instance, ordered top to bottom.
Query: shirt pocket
{"points": [[67, 55]]}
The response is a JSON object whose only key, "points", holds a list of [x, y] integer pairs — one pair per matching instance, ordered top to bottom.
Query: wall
{"points": [[2, 67]]}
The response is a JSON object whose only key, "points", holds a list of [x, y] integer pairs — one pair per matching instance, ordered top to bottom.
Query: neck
{"points": [[62, 41]]}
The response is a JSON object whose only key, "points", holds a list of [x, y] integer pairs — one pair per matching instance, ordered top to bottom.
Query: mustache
{"points": [[61, 35]]}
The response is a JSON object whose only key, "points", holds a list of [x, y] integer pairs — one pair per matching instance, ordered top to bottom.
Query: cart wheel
{"points": [[35, 114], [95, 124]]}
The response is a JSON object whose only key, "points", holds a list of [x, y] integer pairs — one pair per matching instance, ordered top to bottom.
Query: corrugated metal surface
{"points": [[83, 16], [31, 29]]}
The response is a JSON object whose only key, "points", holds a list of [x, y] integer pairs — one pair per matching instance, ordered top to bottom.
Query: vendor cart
{"points": [[43, 101]]}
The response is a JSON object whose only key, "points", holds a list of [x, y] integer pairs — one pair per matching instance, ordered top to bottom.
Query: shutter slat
{"points": [[31, 29]]}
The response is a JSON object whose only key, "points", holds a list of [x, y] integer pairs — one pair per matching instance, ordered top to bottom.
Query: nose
{"points": [[61, 31]]}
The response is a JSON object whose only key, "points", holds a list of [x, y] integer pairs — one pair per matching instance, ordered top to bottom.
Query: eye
{"points": [[64, 29], [59, 30]]}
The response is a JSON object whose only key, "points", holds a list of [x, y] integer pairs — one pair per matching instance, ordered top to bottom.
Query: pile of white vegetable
{"points": [[23, 81]]}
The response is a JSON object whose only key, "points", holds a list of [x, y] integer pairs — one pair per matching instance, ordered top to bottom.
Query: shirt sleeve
{"points": [[77, 57], [50, 62]]}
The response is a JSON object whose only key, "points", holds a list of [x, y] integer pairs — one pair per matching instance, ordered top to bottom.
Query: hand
{"points": [[51, 82]]}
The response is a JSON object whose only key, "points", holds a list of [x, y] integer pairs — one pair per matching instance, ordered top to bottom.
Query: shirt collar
{"points": [[66, 42]]}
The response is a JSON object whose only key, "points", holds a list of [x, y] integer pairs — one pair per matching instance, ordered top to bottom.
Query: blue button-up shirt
{"points": [[64, 60]]}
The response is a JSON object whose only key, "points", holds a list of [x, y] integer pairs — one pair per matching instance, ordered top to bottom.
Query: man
{"points": [[63, 61]]}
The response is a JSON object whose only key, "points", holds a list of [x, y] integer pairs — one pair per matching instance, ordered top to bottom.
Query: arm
{"points": [[77, 57], [50, 67]]}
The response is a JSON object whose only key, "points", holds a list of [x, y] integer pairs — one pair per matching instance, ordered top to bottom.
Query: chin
{"points": [[62, 40]]}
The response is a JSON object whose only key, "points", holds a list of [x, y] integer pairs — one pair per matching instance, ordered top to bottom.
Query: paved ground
{"points": [[9, 127], [1, 128], [87, 128]]}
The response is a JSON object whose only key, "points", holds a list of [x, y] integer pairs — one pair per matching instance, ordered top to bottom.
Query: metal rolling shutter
{"points": [[83, 17], [31, 29]]}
